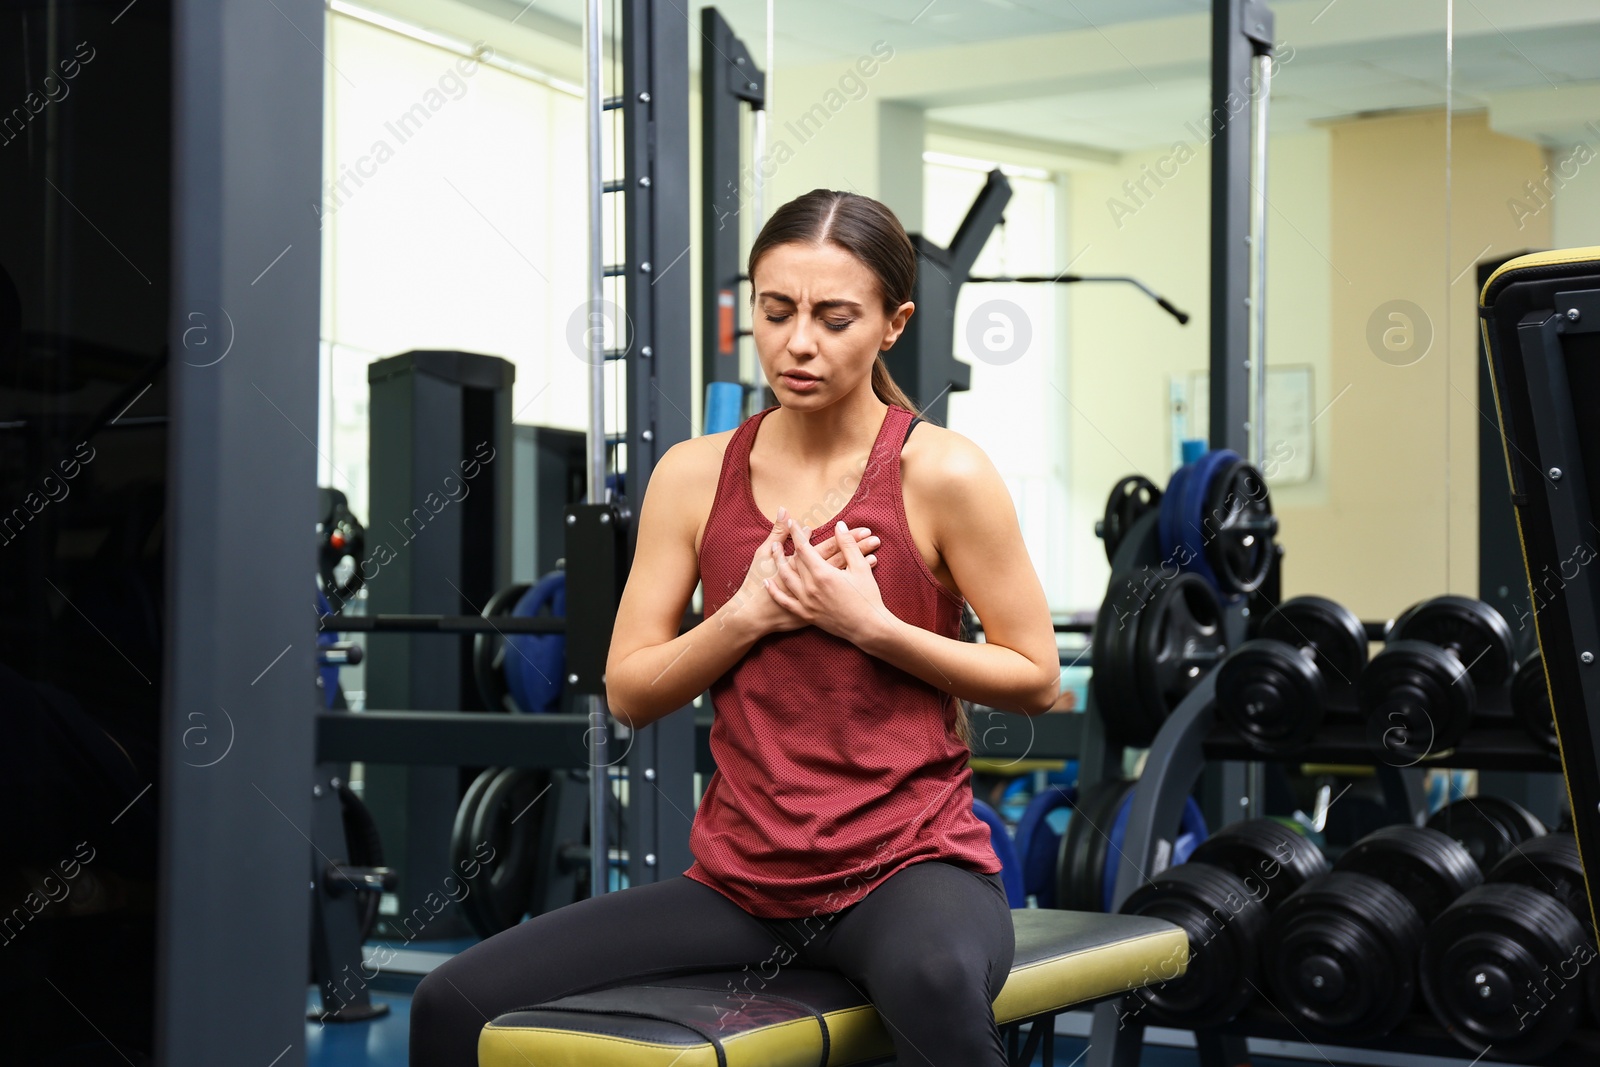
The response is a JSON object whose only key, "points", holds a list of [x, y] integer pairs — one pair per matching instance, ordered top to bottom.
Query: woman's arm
{"points": [[1017, 667]]}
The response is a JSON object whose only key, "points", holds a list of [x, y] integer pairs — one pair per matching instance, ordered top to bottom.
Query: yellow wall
{"points": [[1400, 520]]}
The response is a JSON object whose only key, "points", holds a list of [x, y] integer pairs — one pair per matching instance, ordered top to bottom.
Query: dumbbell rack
{"points": [[1193, 737]]}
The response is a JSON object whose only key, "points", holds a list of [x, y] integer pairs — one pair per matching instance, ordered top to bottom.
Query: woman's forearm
{"points": [[988, 674], [653, 682]]}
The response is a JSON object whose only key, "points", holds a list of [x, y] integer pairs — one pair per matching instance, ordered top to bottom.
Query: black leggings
{"points": [[930, 948]]}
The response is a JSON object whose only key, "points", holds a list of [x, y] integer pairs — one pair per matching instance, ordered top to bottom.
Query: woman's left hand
{"points": [[843, 601]]}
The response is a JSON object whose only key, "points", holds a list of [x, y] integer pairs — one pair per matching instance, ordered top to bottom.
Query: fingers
{"points": [[780, 526], [829, 549], [852, 551]]}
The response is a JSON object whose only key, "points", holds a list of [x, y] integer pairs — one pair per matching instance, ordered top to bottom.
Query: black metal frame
{"points": [[1240, 30], [241, 503]]}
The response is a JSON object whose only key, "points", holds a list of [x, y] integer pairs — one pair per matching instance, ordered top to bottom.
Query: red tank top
{"points": [[834, 768]]}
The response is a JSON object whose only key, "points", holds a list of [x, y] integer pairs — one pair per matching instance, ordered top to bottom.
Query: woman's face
{"points": [[819, 323]]}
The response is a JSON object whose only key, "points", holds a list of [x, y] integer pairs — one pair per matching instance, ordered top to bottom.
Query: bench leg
{"points": [[1221, 1050]]}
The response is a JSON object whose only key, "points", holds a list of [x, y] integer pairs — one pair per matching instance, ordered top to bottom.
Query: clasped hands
{"points": [[829, 586]]}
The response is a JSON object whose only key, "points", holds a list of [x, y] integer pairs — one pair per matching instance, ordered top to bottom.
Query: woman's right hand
{"points": [[754, 604]]}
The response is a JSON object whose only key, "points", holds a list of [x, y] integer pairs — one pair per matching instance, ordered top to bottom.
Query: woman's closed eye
{"points": [[834, 326]]}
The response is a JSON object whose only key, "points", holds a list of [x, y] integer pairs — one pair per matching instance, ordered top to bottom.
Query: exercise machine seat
{"points": [[810, 1018]]}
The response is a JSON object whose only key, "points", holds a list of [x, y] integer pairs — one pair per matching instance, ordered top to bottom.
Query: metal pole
{"points": [[1258, 238], [595, 339]]}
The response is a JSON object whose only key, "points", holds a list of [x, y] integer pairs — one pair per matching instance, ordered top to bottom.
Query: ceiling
{"points": [[1499, 47]]}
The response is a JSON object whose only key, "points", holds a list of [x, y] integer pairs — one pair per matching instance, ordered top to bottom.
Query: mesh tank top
{"points": [[835, 769]]}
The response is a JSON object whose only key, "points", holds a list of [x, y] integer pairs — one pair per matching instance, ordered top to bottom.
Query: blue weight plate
{"points": [[1168, 521], [1195, 524], [535, 664], [1191, 831], [1039, 841], [1005, 851]]}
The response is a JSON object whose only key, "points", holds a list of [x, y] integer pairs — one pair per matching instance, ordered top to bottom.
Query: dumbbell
{"points": [[1306, 657], [1419, 694], [1530, 701], [1490, 828], [1221, 898], [1341, 953], [1501, 966]]}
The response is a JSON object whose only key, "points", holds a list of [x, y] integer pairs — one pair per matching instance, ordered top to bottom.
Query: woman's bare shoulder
{"points": [[937, 460]]}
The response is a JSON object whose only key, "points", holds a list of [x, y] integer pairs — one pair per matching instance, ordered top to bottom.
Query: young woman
{"points": [[835, 549]]}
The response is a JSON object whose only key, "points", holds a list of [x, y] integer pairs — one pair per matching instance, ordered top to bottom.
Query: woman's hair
{"points": [[867, 230], [870, 232]]}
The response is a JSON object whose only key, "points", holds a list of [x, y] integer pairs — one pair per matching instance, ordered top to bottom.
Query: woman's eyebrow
{"points": [[820, 304]]}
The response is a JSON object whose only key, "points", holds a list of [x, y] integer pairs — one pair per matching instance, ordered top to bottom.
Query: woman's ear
{"points": [[897, 325]]}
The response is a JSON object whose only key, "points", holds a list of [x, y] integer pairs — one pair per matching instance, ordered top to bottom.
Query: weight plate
{"points": [[1130, 500], [1169, 524], [1197, 524], [1239, 527], [1331, 631], [1476, 632], [1179, 639], [489, 651], [535, 665], [1113, 666], [1271, 694], [1530, 699], [1417, 702], [1488, 827], [1191, 832], [462, 844], [1039, 845], [1004, 851], [1272, 859], [1551, 865], [1429, 868], [1080, 877], [505, 885], [1224, 923], [1340, 956], [1500, 971]]}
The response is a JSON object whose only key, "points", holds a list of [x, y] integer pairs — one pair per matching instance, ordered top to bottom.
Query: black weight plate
{"points": [[1130, 499], [1238, 511], [1330, 630], [1477, 633], [1179, 638], [489, 651], [1113, 663], [1271, 694], [1530, 699], [1417, 702], [1489, 827], [463, 846], [1270, 858], [1551, 865], [1429, 868], [1080, 877], [505, 887], [1224, 923], [1340, 956], [1500, 969]]}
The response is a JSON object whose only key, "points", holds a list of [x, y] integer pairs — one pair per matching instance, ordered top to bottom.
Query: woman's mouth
{"points": [[800, 383]]}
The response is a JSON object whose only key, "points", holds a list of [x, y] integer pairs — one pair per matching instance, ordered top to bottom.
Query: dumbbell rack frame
{"points": [[1192, 738]]}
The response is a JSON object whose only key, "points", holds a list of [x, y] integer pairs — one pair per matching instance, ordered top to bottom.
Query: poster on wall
{"points": [[1290, 411]]}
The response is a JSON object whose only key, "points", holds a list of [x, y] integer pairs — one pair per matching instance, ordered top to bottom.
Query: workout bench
{"points": [[811, 1018]]}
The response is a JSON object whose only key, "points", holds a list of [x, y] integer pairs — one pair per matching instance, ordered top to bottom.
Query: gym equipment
{"points": [[1130, 498], [1217, 522], [341, 544], [1150, 649], [1306, 657], [521, 671], [1420, 693], [1530, 700], [493, 806], [1488, 827], [1038, 841], [1092, 844], [364, 845], [1005, 852], [1271, 859], [1551, 865], [348, 880], [1224, 922], [1340, 954], [1499, 970], [733, 1019]]}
